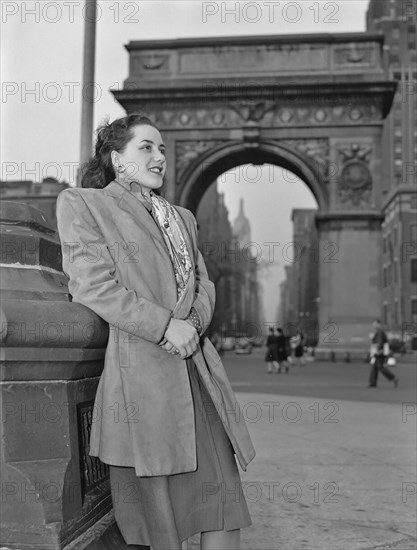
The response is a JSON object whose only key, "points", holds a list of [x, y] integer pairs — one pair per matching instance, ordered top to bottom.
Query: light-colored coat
{"points": [[118, 266]]}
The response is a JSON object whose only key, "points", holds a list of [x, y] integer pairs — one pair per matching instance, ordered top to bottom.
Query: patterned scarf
{"points": [[167, 219]]}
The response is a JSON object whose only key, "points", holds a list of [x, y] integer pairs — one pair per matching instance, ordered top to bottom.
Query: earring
{"points": [[121, 169]]}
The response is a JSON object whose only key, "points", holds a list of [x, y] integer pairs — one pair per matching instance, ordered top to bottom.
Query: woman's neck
{"points": [[135, 186]]}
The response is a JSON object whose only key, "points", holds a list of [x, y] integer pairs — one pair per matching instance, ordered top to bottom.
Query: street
{"points": [[326, 380], [335, 465]]}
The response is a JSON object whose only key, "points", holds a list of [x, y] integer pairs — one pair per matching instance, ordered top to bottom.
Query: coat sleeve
{"points": [[87, 262], [205, 296]]}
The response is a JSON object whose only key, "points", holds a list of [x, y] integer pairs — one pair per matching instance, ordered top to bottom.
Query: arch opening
{"points": [[207, 168], [247, 219]]}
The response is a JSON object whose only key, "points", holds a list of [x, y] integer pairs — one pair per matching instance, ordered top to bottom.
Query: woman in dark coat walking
{"points": [[282, 351], [271, 356]]}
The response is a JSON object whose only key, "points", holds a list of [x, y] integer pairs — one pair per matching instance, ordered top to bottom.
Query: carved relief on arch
{"points": [[354, 54], [152, 62], [252, 110], [265, 113], [322, 114], [187, 152], [315, 152], [355, 178]]}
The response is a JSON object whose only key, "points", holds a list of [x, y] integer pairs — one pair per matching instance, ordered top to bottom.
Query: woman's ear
{"points": [[115, 159]]}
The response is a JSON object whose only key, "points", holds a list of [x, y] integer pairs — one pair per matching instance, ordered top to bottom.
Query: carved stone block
{"points": [[188, 151], [355, 178]]}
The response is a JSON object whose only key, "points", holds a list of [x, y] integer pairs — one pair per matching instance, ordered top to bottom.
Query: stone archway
{"points": [[315, 105], [308, 159]]}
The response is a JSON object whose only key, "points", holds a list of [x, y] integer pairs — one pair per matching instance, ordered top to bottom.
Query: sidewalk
{"points": [[329, 475]]}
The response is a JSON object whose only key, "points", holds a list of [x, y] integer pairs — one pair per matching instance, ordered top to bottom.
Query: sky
{"points": [[41, 60]]}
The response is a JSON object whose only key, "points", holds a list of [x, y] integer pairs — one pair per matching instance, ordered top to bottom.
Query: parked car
{"points": [[258, 341], [228, 343], [243, 345]]}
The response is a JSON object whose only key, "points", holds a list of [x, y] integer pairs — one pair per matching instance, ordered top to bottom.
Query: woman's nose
{"points": [[158, 155]]}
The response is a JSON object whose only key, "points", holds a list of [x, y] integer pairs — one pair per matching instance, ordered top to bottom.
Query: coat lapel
{"points": [[128, 202]]}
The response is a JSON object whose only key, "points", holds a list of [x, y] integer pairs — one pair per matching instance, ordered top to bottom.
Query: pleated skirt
{"points": [[163, 511]]}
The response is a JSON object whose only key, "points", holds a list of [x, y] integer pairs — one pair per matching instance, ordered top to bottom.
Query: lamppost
{"points": [[87, 102]]}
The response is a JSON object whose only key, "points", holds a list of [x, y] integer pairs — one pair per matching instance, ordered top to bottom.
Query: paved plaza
{"points": [[330, 473]]}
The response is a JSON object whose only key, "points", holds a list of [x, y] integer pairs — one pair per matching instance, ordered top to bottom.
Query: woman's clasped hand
{"points": [[182, 338]]}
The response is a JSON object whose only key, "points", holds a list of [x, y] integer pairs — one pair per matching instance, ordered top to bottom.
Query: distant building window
{"points": [[413, 202], [413, 232], [414, 270], [395, 271], [385, 277], [413, 306], [396, 312], [385, 314]]}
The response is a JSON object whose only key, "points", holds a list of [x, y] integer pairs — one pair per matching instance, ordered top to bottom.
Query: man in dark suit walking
{"points": [[379, 342]]}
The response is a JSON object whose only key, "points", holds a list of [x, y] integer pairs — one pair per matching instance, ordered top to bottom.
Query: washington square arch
{"points": [[314, 105]]}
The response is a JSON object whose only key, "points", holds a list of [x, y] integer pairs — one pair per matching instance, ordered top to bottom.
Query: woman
{"points": [[297, 348], [282, 351], [271, 356], [164, 427]]}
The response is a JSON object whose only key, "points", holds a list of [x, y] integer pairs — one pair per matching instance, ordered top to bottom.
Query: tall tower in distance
{"points": [[396, 19], [241, 227]]}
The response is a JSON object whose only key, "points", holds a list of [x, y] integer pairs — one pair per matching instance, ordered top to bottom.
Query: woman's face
{"points": [[143, 158]]}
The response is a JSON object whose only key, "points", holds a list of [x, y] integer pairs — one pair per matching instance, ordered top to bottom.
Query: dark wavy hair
{"points": [[98, 172]]}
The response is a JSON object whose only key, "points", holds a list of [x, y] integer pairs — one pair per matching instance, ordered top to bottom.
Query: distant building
{"points": [[397, 21], [41, 195], [241, 227], [215, 240], [230, 263], [300, 290], [249, 307], [286, 312]]}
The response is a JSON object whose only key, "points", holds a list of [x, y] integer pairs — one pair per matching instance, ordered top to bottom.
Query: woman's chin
{"points": [[153, 183]]}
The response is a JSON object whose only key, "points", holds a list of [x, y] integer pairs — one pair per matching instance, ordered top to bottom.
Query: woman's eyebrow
{"points": [[152, 142]]}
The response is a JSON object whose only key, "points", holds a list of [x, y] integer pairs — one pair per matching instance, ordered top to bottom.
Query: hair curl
{"points": [[98, 172]]}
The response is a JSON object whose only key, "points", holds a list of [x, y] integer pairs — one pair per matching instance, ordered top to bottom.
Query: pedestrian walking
{"points": [[149, 282], [281, 343], [297, 348], [379, 353], [271, 356]]}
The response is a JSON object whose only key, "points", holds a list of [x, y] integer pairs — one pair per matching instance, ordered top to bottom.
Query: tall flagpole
{"points": [[88, 90]]}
